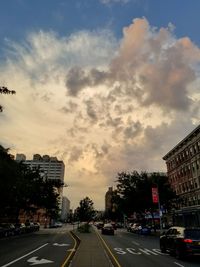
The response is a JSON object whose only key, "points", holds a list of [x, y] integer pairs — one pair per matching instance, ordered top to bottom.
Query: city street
{"points": [[48, 247], [133, 250]]}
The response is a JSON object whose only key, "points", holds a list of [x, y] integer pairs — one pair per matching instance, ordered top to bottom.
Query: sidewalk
{"points": [[90, 252]]}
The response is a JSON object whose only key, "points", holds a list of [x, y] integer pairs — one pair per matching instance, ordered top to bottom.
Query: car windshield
{"points": [[192, 233]]}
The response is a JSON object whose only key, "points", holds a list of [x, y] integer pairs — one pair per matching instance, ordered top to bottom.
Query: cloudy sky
{"points": [[104, 85]]}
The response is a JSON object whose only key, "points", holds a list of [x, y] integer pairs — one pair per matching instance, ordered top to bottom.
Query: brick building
{"points": [[183, 169]]}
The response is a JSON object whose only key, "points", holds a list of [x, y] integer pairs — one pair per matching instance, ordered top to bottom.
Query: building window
{"points": [[197, 163]]}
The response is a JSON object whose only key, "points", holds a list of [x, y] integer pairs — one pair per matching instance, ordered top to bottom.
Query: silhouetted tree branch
{"points": [[6, 91]]}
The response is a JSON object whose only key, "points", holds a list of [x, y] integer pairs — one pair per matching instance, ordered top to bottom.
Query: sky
{"points": [[104, 85]]}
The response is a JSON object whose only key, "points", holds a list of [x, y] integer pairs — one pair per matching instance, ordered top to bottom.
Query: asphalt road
{"points": [[47, 247], [133, 250]]}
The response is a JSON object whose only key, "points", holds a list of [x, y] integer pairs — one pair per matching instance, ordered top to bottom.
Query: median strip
{"points": [[73, 250]]}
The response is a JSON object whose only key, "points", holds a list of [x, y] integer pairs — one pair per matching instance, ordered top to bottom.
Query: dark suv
{"points": [[181, 241]]}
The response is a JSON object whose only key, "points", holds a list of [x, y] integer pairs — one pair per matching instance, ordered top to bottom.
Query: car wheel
{"points": [[6, 234], [162, 248], [179, 254]]}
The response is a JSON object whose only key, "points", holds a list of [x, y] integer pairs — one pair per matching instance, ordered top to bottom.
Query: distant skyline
{"points": [[104, 85]]}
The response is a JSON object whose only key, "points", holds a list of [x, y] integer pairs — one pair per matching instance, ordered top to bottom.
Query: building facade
{"points": [[50, 167], [183, 169], [65, 212]]}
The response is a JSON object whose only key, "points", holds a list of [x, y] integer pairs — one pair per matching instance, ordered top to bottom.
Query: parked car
{"points": [[55, 225], [99, 225], [119, 225], [36, 226], [30, 227], [128, 227], [135, 227], [20, 228], [7, 229], [107, 229], [1, 231], [180, 241]]}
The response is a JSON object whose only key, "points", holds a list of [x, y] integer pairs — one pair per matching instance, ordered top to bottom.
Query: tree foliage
{"points": [[6, 91], [24, 189], [135, 191], [85, 211]]}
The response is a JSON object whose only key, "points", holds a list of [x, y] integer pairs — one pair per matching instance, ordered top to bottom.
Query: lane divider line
{"points": [[136, 243], [73, 251], [113, 259], [10, 263], [178, 264]]}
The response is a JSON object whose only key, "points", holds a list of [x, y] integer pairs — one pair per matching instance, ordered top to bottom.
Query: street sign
{"points": [[155, 194]]}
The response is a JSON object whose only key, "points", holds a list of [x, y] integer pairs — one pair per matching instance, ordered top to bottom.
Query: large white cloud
{"points": [[100, 104]]}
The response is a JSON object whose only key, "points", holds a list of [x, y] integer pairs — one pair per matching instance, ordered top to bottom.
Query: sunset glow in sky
{"points": [[104, 85]]}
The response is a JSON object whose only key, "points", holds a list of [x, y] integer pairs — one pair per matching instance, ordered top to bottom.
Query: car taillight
{"points": [[187, 240]]}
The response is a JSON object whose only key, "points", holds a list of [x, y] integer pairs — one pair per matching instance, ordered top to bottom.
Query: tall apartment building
{"points": [[50, 167], [183, 169]]}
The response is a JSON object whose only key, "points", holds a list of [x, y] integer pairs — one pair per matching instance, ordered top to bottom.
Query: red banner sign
{"points": [[155, 194]]}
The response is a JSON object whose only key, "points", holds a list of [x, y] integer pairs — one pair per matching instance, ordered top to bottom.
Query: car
{"points": [[58, 224], [55, 225], [99, 225], [114, 225], [119, 225], [36, 226], [129, 226], [30, 227], [135, 227], [20, 228], [7, 229], [107, 229], [144, 230], [2, 231], [180, 241]]}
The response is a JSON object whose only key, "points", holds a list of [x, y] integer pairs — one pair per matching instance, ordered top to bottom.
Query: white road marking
{"points": [[135, 243], [61, 245], [71, 249], [157, 250], [120, 251], [132, 251], [139, 251], [147, 251], [35, 261], [10, 263], [178, 264]]}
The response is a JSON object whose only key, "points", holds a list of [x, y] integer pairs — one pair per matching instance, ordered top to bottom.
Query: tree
{"points": [[5, 90], [9, 179], [24, 189], [127, 190], [135, 191], [85, 211], [115, 212]]}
